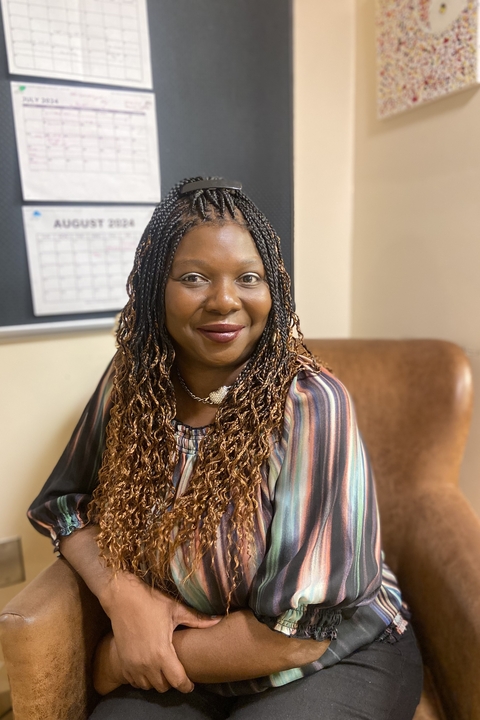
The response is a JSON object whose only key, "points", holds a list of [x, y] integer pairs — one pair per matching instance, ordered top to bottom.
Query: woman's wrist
{"points": [[116, 588], [107, 672]]}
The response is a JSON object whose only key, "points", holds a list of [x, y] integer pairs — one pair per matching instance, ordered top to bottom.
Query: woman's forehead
{"points": [[221, 241]]}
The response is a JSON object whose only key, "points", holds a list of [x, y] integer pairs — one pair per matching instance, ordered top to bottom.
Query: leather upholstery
{"points": [[413, 401], [49, 632]]}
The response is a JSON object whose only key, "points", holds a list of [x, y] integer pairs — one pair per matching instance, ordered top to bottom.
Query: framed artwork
{"points": [[426, 49]]}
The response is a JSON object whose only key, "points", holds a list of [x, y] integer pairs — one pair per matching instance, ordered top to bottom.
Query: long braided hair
{"points": [[142, 522]]}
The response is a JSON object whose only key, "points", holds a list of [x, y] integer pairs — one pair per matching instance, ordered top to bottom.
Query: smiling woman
{"points": [[217, 299], [217, 303], [217, 498]]}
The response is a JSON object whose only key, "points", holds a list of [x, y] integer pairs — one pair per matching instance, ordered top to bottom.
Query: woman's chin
{"points": [[221, 356]]}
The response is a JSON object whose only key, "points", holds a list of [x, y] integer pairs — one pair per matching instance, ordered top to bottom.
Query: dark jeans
{"points": [[382, 681]]}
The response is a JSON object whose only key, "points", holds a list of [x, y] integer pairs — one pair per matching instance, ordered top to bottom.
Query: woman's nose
{"points": [[223, 297]]}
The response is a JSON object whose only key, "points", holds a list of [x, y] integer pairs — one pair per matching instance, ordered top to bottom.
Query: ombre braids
{"points": [[142, 522]]}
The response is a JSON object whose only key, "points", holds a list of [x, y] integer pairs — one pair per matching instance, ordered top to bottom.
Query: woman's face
{"points": [[217, 299]]}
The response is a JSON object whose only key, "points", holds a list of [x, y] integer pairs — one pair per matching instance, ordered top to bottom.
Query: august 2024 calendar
{"points": [[80, 257]]}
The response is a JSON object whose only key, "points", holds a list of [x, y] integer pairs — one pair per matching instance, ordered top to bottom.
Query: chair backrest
{"points": [[413, 401]]}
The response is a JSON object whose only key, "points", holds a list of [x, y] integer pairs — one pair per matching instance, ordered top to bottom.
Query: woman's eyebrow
{"points": [[246, 262]]}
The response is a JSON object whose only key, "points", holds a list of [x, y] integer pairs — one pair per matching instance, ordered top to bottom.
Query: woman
{"points": [[216, 496]]}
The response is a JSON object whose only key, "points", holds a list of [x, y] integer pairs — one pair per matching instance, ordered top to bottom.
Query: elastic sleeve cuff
{"points": [[60, 517], [56, 534], [307, 622]]}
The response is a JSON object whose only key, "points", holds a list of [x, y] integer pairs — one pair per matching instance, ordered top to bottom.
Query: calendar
{"points": [[99, 41], [86, 144], [80, 257]]}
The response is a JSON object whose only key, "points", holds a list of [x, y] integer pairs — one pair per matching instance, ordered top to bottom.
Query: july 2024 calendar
{"points": [[86, 144], [80, 257]]}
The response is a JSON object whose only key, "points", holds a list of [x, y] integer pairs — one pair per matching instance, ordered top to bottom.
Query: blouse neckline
{"points": [[188, 437]]}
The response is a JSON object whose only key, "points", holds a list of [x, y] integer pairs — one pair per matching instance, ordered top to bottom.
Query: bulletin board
{"points": [[222, 79]]}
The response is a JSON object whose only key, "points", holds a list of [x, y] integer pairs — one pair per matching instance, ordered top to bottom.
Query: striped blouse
{"points": [[318, 571]]}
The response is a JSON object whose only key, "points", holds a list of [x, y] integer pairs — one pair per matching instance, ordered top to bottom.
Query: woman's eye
{"points": [[193, 279], [250, 279]]}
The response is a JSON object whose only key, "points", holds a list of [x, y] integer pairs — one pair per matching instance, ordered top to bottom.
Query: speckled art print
{"points": [[425, 49]]}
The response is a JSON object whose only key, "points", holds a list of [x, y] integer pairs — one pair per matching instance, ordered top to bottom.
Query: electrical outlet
{"points": [[12, 570]]}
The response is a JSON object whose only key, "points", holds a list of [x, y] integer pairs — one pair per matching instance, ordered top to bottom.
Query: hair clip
{"points": [[211, 184]]}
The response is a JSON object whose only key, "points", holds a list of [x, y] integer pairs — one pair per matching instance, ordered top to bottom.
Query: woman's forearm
{"points": [[81, 550], [240, 648]]}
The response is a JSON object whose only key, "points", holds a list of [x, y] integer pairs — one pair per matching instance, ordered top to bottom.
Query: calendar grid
{"points": [[98, 40], [86, 140], [91, 269]]}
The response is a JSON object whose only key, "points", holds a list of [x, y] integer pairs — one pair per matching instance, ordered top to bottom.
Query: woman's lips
{"points": [[221, 333]]}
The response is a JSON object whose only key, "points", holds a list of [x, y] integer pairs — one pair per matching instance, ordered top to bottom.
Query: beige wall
{"points": [[324, 34], [416, 248], [44, 385]]}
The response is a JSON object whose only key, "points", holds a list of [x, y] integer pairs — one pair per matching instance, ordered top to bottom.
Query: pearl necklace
{"points": [[214, 398]]}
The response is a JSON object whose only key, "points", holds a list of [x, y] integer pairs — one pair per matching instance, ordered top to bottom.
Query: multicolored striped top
{"points": [[318, 571]]}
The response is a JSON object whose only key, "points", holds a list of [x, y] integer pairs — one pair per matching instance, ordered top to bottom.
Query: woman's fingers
{"points": [[162, 672], [174, 672], [162, 675], [148, 680], [141, 685]]}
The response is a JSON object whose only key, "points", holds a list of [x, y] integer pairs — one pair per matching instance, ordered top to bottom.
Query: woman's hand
{"points": [[143, 620], [141, 651]]}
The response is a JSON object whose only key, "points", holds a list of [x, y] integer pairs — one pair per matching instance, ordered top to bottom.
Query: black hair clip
{"points": [[211, 184]]}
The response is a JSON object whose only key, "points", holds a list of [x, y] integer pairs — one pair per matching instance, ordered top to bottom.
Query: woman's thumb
{"points": [[194, 618]]}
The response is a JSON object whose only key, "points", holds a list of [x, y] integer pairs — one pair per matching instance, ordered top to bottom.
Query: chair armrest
{"points": [[439, 573], [48, 633]]}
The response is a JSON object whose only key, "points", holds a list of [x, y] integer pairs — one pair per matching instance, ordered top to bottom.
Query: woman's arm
{"points": [[143, 619], [241, 647], [238, 648], [145, 651]]}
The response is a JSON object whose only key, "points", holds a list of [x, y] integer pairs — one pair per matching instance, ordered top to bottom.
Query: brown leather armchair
{"points": [[413, 401]]}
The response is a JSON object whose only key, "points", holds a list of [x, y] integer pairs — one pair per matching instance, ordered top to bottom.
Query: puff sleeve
{"points": [[61, 506], [323, 560]]}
